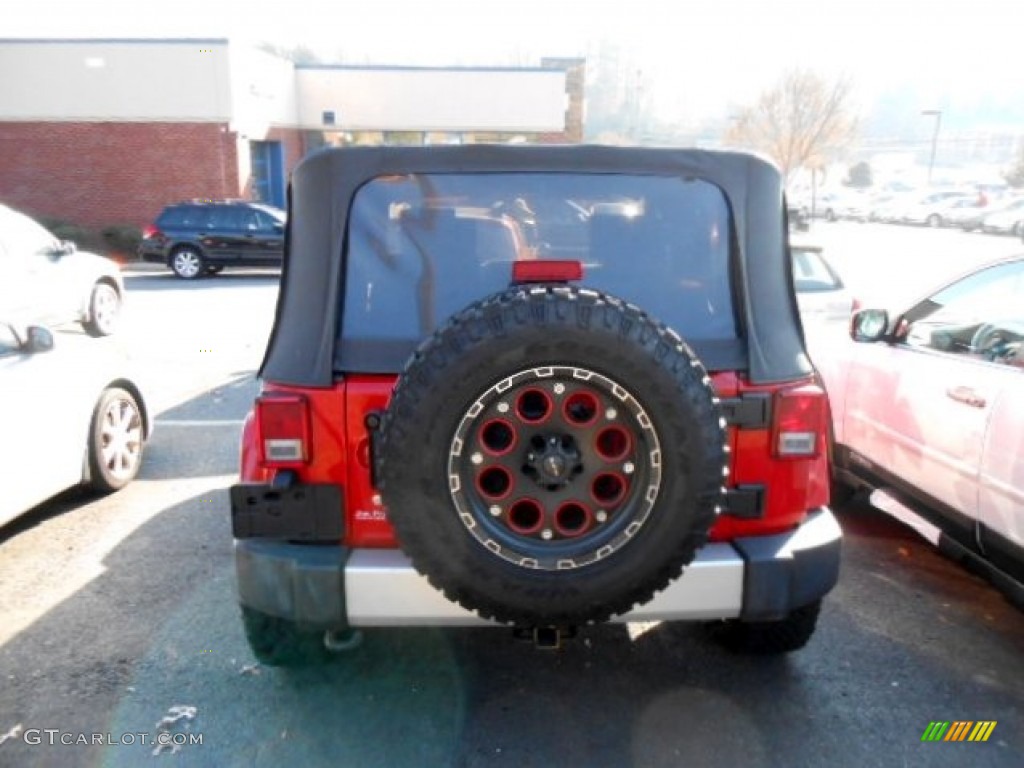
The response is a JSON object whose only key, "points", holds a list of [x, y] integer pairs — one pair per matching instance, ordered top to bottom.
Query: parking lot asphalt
{"points": [[118, 609]]}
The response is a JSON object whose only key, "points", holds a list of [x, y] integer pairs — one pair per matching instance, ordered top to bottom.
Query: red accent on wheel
{"points": [[533, 405], [580, 408], [498, 437], [613, 443], [494, 482], [608, 488], [526, 516], [572, 519]]}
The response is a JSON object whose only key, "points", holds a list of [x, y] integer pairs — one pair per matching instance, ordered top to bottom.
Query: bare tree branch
{"points": [[800, 122]]}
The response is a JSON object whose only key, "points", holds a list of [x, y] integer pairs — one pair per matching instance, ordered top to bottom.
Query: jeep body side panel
{"points": [[301, 349]]}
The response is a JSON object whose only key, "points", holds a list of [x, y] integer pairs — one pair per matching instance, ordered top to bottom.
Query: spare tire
{"points": [[552, 456]]}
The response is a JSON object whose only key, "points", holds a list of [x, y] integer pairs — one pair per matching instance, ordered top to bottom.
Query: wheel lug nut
{"points": [[559, 388], [502, 407], [610, 414], [477, 458], [628, 468], [495, 510], [600, 515], [546, 534]]}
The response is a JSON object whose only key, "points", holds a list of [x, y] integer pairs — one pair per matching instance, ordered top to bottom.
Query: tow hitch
{"points": [[545, 638]]}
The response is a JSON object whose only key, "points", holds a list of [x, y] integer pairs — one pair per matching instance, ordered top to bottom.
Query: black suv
{"points": [[204, 236], [534, 386]]}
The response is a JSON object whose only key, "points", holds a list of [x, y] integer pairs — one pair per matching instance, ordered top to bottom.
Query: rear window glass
{"points": [[423, 247], [812, 273]]}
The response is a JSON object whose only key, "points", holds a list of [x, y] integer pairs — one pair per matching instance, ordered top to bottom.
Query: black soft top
{"points": [[301, 348]]}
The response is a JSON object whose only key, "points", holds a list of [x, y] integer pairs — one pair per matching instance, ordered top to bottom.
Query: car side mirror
{"points": [[278, 227], [67, 247], [869, 325], [38, 339]]}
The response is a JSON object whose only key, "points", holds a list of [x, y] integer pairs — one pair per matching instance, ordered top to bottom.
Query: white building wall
{"points": [[115, 80], [262, 91], [409, 99]]}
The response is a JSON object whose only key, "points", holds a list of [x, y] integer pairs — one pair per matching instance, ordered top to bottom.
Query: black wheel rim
{"points": [[555, 468]]}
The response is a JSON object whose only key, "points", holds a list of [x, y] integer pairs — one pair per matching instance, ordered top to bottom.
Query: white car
{"points": [[1007, 219], [49, 282], [820, 293], [929, 408], [69, 416]]}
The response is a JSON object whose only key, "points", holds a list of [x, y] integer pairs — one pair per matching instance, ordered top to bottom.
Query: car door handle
{"points": [[967, 396]]}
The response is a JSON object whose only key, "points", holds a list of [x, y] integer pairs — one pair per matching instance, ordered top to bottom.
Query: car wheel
{"points": [[934, 220], [188, 263], [214, 269], [104, 310], [115, 441], [552, 457], [768, 637], [281, 643]]}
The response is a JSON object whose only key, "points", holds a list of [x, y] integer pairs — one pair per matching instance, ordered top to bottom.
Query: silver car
{"points": [[49, 282], [70, 415]]}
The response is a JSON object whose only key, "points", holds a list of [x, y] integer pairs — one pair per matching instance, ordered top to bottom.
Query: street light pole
{"points": [[937, 114]]}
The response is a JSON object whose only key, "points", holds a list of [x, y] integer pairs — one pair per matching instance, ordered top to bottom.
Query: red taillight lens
{"points": [[150, 230], [549, 271], [855, 305], [283, 422], [798, 422]]}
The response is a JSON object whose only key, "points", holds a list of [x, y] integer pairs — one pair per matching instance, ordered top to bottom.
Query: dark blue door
{"points": [[268, 172]]}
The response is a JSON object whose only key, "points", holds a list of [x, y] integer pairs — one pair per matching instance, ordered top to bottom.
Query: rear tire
{"points": [[187, 263], [104, 310], [768, 637]]}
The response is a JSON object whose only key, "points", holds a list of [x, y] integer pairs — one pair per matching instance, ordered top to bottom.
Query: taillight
{"points": [[150, 230], [546, 271], [855, 305], [798, 422], [283, 423]]}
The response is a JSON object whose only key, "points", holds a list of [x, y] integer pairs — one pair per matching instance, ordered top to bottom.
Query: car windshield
{"points": [[20, 236], [423, 247]]}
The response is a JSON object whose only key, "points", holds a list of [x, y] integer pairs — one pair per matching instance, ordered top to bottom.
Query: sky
{"points": [[701, 58]]}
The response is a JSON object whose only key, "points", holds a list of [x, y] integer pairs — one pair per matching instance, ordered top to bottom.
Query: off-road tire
{"points": [[530, 332], [768, 637]]}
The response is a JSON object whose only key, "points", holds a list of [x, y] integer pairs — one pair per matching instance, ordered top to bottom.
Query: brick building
{"points": [[101, 132]]}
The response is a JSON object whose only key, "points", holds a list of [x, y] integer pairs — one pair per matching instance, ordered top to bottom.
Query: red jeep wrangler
{"points": [[534, 386]]}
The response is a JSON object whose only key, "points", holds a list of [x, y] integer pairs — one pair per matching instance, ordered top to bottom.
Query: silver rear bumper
{"points": [[757, 578]]}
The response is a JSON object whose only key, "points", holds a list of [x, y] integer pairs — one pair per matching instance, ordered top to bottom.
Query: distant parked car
{"points": [[924, 208], [939, 209], [1007, 219], [202, 237], [46, 281], [820, 293], [929, 409], [70, 416]]}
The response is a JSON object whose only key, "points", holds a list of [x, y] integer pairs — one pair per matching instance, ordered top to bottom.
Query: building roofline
{"points": [[107, 40], [410, 68]]}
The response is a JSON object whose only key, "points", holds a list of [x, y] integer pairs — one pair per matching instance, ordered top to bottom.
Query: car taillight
{"points": [[150, 230], [546, 271], [855, 305], [283, 422], [798, 422]]}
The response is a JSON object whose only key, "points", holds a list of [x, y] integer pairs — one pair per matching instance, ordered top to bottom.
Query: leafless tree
{"points": [[800, 122]]}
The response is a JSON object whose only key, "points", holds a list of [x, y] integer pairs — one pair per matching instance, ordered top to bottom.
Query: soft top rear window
{"points": [[420, 248]]}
